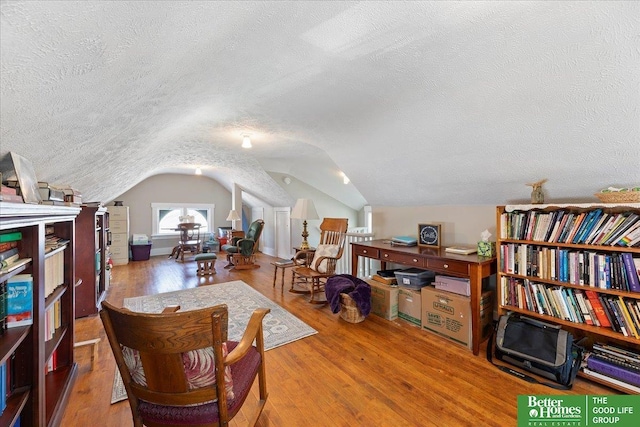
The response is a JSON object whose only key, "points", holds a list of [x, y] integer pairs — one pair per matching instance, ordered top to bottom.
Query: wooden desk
{"points": [[471, 267]]}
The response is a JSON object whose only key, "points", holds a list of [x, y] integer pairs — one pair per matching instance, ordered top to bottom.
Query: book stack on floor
{"points": [[614, 365]]}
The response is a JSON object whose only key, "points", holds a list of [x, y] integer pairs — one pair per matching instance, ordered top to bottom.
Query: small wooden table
{"points": [[283, 267]]}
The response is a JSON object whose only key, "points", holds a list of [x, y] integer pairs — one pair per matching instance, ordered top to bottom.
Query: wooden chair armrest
{"points": [[303, 257], [253, 331]]}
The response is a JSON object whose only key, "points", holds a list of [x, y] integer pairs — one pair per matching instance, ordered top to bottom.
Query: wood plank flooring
{"points": [[374, 373]]}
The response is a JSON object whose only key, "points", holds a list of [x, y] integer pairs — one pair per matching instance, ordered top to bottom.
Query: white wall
{"points": [[171, 188], [327, 207], [460, 225]]}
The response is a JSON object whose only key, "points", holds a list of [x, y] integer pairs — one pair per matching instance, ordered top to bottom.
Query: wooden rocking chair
{"points": [[313, 268]]}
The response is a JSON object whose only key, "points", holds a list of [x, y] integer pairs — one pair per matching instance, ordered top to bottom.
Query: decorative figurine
{"points": [[537, 195]]}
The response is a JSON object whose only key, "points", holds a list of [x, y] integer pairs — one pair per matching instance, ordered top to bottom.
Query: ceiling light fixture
{"points": [[246, 141], [198, 171], [345, 178]]}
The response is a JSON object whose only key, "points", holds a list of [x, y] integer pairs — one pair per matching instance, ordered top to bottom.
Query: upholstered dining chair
{"points": [[190, 240], [241, 252], [314, 267], [179, 368]]}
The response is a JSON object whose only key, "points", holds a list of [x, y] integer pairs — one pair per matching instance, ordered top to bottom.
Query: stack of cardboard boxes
{"points": [[444, 309]]}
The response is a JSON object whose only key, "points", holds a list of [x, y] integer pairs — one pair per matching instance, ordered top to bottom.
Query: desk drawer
{"points": [[367, 252], [406, 259], [447, 265]]}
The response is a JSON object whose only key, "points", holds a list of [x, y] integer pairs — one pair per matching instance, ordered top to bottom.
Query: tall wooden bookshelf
{"points": [[92, 227], [530, 263], [40, 395]]}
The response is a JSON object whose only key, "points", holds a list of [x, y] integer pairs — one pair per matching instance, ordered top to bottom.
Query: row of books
{"points": [[49, 193], [594, 227], [9, 252], [618, 270], [53, 272], [574, 305], [52, 320], [613, 364], [7, 380]]}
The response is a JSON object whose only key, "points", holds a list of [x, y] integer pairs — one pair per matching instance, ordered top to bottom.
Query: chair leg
{"points": [[316, 288]]}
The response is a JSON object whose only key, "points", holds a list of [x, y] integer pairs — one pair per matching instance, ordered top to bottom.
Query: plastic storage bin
{"points": [[140, 252], [414, 278]]}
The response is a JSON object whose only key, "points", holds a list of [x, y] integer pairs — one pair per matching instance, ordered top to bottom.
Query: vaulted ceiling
{"points": [[418, 103]]}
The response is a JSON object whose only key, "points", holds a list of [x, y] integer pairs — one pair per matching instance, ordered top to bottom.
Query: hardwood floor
{"points": [[374, 373]]}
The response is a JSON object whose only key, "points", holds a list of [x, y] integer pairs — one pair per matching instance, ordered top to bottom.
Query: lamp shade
{"points": [[304, 209], [233, 215]]}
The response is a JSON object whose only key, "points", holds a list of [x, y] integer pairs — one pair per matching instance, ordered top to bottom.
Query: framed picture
{"points": [[26, 178], [429, 235]]}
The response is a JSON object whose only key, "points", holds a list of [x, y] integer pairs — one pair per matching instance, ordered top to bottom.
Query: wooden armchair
{"points": [[241, 252], [314, 267], [179, 368]]}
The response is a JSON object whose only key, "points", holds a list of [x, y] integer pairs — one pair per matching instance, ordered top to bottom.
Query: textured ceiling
{"points": [[419, 103]]}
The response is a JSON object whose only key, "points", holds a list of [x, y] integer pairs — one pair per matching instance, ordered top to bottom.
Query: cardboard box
{"points": [[456, 285], [384, 300], [410, 305], [449, 314]]}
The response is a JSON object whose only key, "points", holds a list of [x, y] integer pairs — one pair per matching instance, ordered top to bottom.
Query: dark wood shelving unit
{"points": [[91, 259], [591, 333], [38, 397]]}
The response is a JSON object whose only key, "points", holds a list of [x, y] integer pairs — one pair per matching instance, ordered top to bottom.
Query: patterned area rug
{"points": [[280, 326]]}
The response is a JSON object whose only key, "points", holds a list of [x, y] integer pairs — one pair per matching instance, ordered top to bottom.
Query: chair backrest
{"points": [[255, 230], [189, 231], [333, 232], [252, 235], [158, 343]]}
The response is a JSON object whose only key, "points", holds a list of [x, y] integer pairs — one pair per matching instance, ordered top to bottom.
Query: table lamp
{"points": [[304, 210], [233, 217]]}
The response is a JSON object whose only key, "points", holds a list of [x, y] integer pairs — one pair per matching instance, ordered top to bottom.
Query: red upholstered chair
{"points": [[179, 368]]}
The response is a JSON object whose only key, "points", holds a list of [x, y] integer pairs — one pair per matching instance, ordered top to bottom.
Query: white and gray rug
{"points": [[280, 326]]}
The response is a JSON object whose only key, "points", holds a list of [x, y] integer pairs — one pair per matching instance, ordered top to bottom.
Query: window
{"points": [[167, 216]]}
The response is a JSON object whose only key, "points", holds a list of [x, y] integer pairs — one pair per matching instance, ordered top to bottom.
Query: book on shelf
{"points": [[11, 198], [629, 221], [11, 236], [5, 246], [462, 250], [9, 254], [283, 261], [10, 266], [19, 300], [3, 307], [598, 309], [615, 350], [614, 371], [607, 379]]}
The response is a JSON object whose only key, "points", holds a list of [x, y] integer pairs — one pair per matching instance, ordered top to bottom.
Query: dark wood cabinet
{"points": [[92, 228], [41, 360]]}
